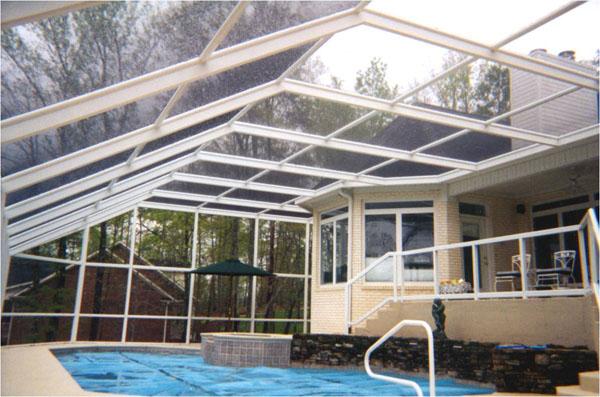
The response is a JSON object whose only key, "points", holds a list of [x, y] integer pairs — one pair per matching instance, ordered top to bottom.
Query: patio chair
{"points": [[564, 264], [515, 273]]}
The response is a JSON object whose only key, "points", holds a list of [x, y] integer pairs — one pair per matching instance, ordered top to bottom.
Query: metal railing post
{"points": [[592, 254], [475, 260], [524, 267], [395, 276], [585, 277], [401, 278]]}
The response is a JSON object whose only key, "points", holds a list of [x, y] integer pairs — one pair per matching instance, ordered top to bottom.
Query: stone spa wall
{"points": [[510, 370]]}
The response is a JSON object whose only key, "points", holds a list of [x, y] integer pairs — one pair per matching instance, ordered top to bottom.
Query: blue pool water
{"points": [[152, 374]]}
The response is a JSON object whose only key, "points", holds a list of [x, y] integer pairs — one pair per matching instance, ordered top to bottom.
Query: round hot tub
{"points": [[246, 349]]}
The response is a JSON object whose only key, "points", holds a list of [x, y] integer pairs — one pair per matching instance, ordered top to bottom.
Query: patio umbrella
{"points": [[231, 267]]}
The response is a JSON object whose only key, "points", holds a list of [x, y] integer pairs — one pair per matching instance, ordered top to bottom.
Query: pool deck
{"points": [[32, 370]]}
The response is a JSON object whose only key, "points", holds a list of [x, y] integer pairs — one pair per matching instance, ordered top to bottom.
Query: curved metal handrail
{"points": [[405, 382]]}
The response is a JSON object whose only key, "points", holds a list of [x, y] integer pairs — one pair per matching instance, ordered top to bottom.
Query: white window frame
{"points": [[398, 212], [333, 220]]}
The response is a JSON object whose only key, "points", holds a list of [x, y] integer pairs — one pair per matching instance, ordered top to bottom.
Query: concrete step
{"points": [[590, 381], [572, 391]]}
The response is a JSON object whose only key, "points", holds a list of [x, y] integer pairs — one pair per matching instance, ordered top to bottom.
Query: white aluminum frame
{"points": [[36, 230], [131, 268]]}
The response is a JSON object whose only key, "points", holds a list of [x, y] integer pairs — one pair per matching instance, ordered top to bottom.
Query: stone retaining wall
{"points": [[510, 370]]}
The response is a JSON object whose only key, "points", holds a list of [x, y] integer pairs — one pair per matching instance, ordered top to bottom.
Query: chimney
{"points": [[567, 54]]}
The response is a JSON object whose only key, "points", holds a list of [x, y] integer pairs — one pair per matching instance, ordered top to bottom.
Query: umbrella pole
{"points": [[231, 301]]}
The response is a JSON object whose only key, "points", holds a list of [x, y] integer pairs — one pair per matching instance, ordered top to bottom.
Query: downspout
{"points": [[347, 290]]}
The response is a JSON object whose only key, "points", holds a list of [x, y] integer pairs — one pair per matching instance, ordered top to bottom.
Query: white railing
{"points": [[588, 260], [400, 381]]}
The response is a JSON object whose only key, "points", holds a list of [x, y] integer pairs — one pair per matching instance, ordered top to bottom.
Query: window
{"points": [[399, 229], [334, 246]]}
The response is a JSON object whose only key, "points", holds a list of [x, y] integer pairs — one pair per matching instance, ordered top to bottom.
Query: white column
{"points": [[132, 233], [254, 263], [306, 278], [80, 281], [188, 330]]}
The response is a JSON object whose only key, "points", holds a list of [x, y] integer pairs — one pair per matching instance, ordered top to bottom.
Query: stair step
{"points": [[590, 381], [572, 391]]}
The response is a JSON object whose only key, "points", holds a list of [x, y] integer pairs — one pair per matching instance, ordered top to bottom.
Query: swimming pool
{"points": [[155, 374]]}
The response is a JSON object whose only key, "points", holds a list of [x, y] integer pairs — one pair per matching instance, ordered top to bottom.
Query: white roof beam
{"points": [[16, 13], [434, 36], [87, 105], [434, 116], [500, 117], [132, 139], [349, 146], [290, 168], [106, 175], [224, 182], [225, 200], [76, 204], [91, 209], [221, 212], [78, 225]]}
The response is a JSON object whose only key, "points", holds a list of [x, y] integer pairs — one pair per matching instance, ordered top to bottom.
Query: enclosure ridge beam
{"points": [[453, 42], [120, 94], [434, 116], [132, 139], [348, 146], [240, 184], [226, 200]]}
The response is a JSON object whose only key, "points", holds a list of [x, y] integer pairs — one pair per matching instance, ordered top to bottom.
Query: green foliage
{"points": [[373, 81], [482, 89], [165, 237]]}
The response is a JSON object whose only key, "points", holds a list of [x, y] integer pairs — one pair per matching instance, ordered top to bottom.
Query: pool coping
{"points": [[34, 369]]}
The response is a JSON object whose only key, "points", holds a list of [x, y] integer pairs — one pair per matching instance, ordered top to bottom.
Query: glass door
{"points": [[473, 229]]}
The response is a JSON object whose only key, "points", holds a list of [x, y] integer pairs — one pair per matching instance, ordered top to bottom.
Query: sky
{"points": [[488, 22]]}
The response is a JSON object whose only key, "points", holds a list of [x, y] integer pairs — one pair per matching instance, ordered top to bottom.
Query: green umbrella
{"points": [[231, 267]]}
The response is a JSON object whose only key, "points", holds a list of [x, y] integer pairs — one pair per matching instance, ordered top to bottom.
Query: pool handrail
{"points": [[400, 381]]}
